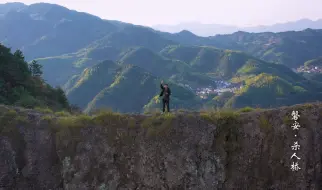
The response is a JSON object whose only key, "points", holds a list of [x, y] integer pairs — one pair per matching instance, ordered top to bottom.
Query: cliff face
{"points": [[222, 150]]}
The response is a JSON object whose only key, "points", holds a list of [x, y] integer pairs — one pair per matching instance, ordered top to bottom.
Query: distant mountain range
{"points": [[214, 29], [102, 63]]}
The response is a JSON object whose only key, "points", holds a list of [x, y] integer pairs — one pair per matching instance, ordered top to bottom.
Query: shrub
{"points": [[27, 101], [246, 109], [44, 110], [182, 110], [152, 111], [62, 114], [220, 116], [107, 117], [48, 119], [75, 121]]}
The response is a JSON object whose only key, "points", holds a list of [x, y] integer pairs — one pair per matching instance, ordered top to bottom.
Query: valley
{"points": [[119, 66]]}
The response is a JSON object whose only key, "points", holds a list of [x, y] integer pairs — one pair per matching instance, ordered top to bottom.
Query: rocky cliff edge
{"points": [[246, 149]]}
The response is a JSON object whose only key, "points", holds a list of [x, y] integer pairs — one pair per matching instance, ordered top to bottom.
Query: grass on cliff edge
{"points": [[9, 116], [154, 122]]}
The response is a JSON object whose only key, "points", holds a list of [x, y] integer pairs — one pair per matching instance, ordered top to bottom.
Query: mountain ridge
{"points": [[214, 29], [102, 33], [192, 64]]}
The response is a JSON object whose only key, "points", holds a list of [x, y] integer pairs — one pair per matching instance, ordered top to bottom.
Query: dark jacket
{"points": [[165, 92]]}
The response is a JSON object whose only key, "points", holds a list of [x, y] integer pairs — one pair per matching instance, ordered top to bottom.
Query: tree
{"points": [[19, 55], [35, 69], [21, 83], [61, 97]]}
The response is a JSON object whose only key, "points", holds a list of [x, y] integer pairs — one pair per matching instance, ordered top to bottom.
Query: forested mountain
{"points": [[43, 30], [289, 48], [102, 63], [21, 84], [125, 88]]}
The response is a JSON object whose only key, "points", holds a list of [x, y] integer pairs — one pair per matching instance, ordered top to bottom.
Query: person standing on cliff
{"points": [[165, 92]]}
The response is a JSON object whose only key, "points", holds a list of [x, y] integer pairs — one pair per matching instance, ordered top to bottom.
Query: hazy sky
{"points": [[230, 12]]}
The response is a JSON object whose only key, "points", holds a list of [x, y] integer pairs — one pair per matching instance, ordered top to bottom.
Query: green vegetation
{"points": [[107, 39], [287, 48], [291, 48], [203, 59], [314, 62], [154, 63], [226, 64], [91, 65], [57, 70], [258, 76], [317, 77], [193, 79], [91, 82], [106, 83], [21, 84], [124, 88], [130, 91], [277, 91], [181, 99], [220, 100], [246, 109], [43, 110], [62, 114], [220, 117], [264, 123], [158, 124]]}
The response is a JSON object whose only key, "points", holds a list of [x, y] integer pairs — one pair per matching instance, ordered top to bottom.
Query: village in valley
{"points": [[309, 69], [221, 86], [218, 88]]}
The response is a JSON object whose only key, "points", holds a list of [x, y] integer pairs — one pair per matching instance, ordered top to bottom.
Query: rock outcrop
{"points": [[198, 151]]}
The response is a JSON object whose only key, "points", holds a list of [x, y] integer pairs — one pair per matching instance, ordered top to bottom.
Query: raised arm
{"points": [[161, 85]]}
